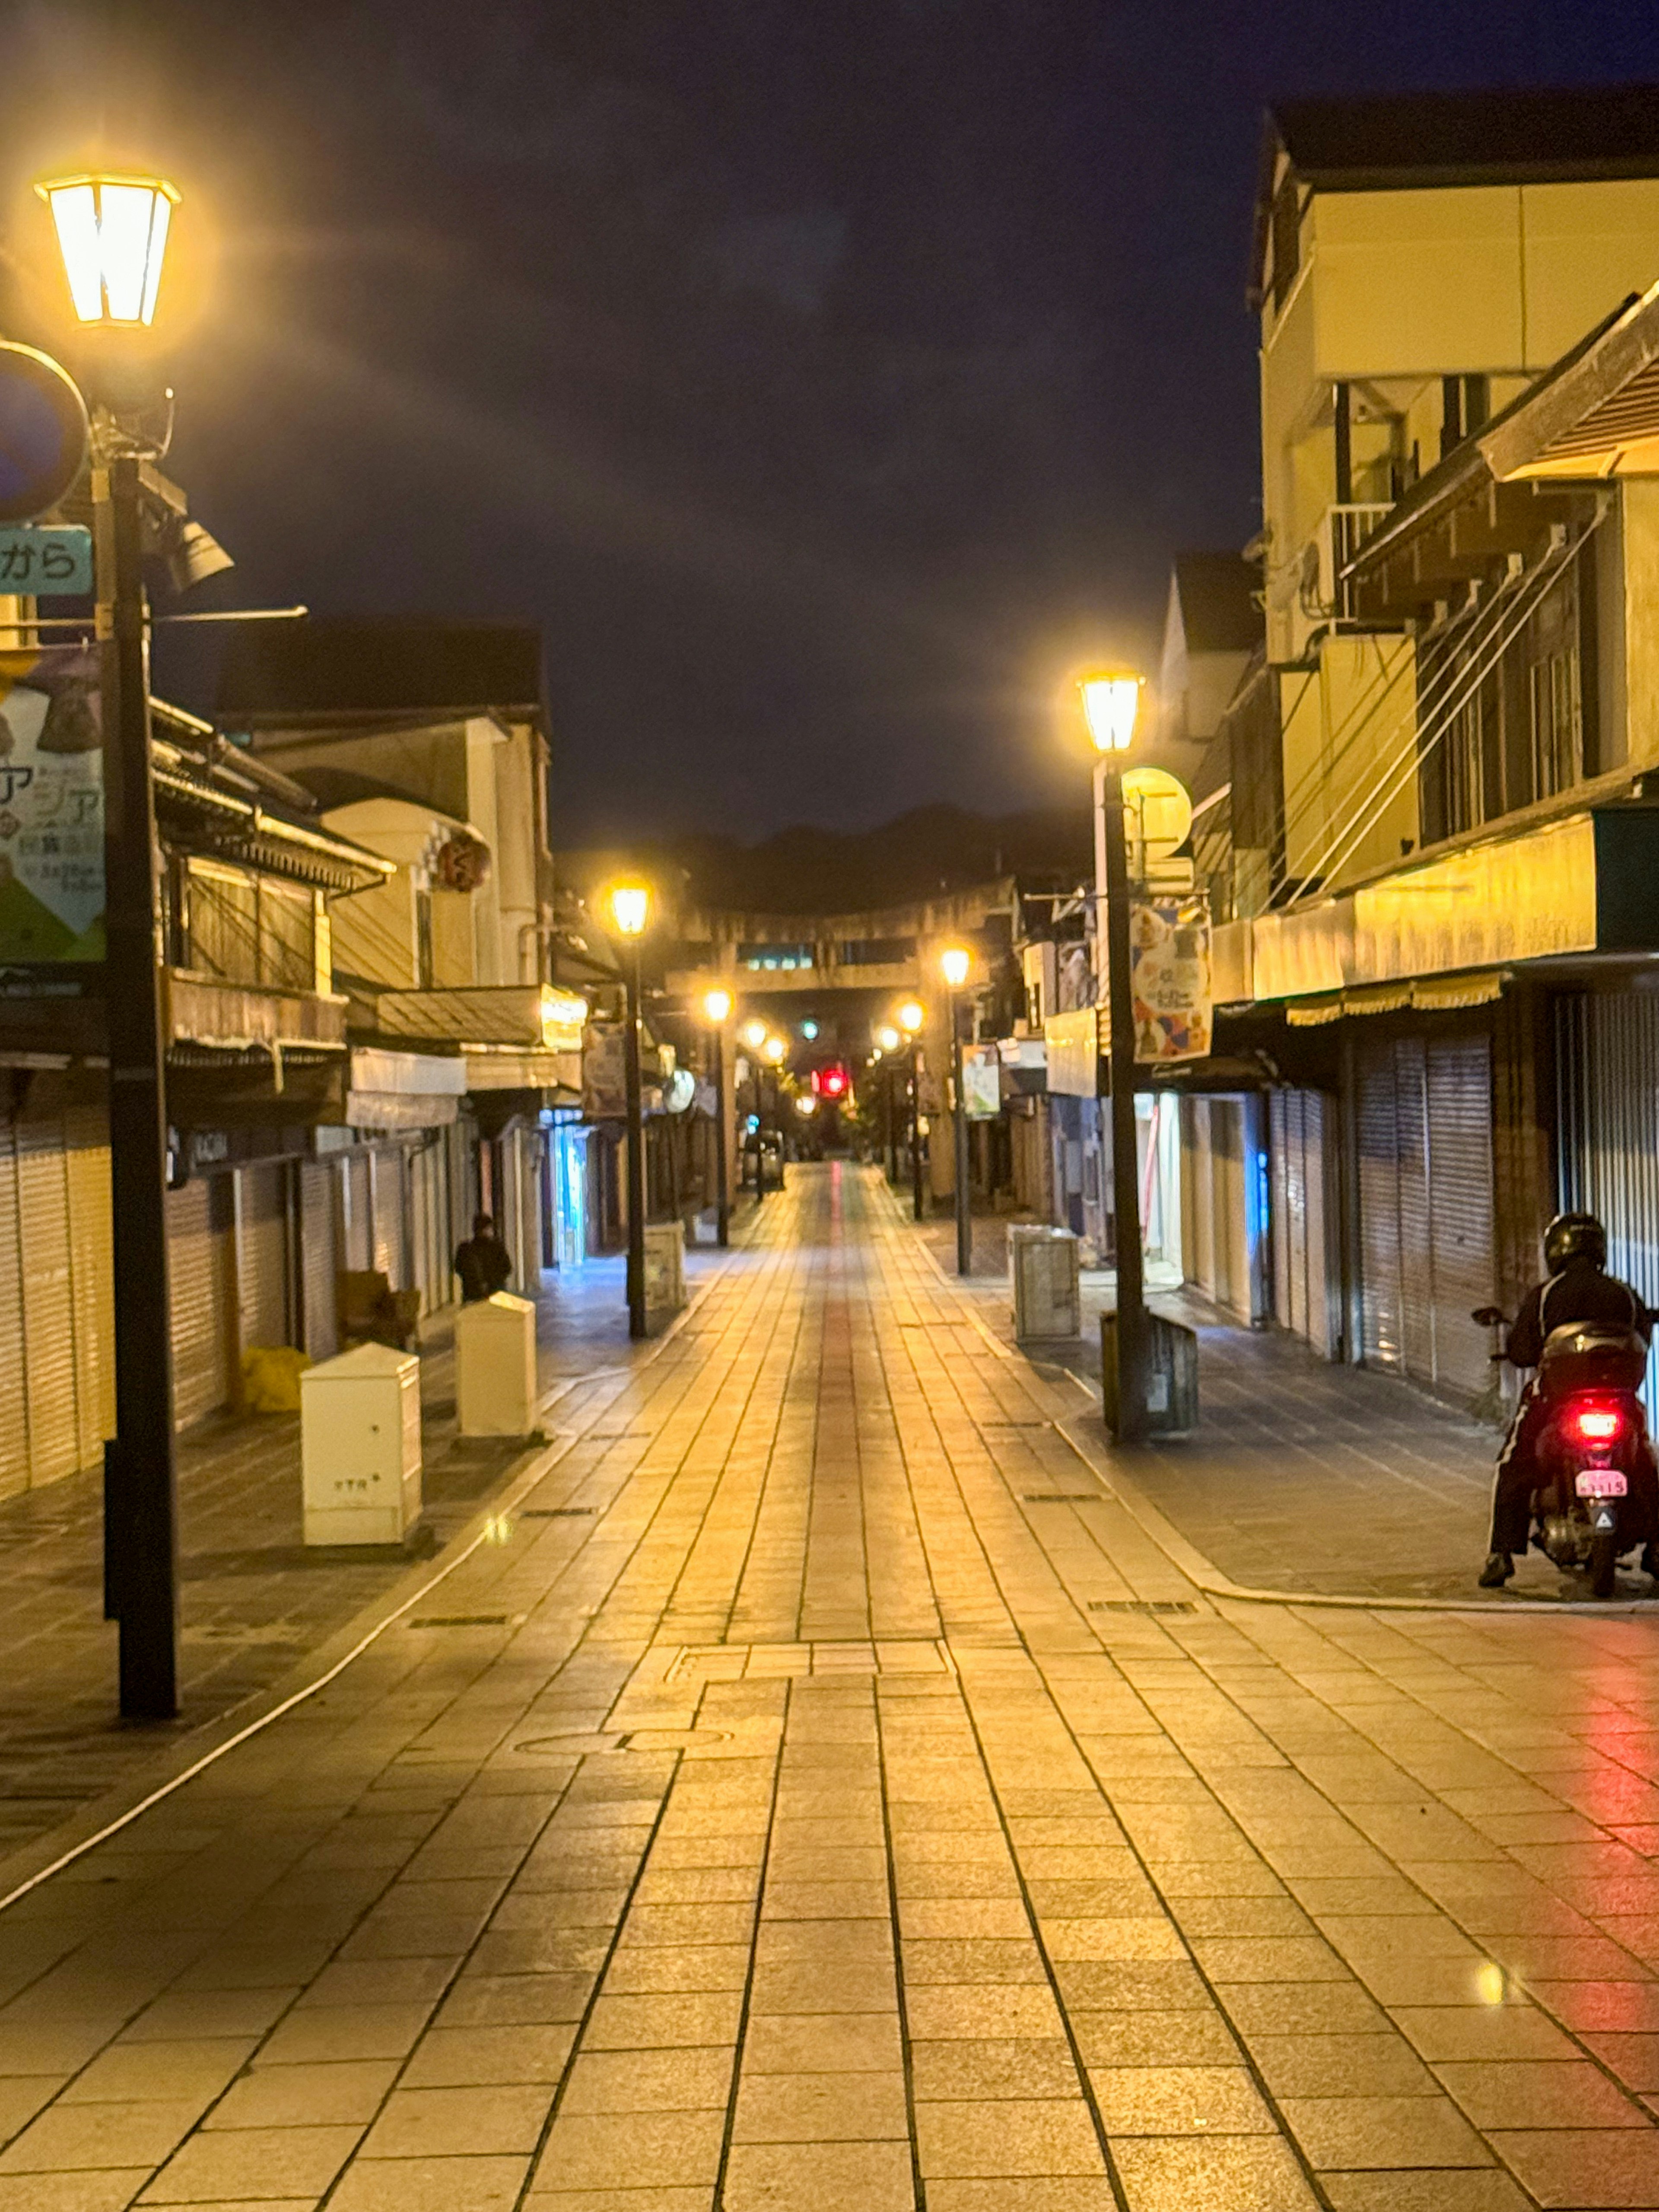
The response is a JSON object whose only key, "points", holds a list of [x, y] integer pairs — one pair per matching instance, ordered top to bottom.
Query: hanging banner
{"points": [[51, 818], [1170, 972], [1074, 1042], [605, 1074], [981, 1084]]}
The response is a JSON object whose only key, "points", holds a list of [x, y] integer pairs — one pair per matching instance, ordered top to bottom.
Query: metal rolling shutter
{"points": [[1607, 1050], [1280, 1124], [386, 1169], [1314, 1169], [1460, 1183], [1296, 1193], [1379, 1204], [356, 1214], [1416, 1238], [198, 1251], [262, 1256], [319, 1261], [92, 1275], [49, 1379], [14, 1429]]}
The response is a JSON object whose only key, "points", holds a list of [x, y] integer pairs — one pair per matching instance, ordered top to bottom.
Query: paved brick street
{"points": [[825, 1795]]}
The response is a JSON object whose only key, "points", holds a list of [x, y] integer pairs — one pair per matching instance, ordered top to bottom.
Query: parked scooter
{"points": [[1594, 1440]]}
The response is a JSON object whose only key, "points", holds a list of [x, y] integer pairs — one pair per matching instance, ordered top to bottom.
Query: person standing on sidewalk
{"points": [[482, 1262]]}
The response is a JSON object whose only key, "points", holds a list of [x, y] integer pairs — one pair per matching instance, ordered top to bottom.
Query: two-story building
{"points": [[1439, 927]]}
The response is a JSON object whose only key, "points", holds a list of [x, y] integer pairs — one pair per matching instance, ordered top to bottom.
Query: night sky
{"points": [[823, 376]]}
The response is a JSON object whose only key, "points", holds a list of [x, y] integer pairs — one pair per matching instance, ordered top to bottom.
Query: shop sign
{"points": [[51, 809], [1170, 970], [981, 1084]]}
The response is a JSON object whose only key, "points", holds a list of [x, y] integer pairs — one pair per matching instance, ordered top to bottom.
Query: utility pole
{"points": [[635, 1105], [1126, 1175], [141, 1486]]}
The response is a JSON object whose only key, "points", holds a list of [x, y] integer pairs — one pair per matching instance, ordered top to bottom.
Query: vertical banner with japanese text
{"points": [[51, 818]]}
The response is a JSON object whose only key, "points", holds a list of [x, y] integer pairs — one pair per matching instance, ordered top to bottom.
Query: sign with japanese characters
{"points": [[46, 564], [52, 812], [1170, 970], [981, 1083]]}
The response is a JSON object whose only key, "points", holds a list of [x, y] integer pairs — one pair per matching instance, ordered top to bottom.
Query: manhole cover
{"points": [[1152, 1605], [581, 1744]]}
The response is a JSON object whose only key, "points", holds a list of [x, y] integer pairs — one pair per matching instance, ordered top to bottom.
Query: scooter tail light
{"points": [[1597, 1425]]}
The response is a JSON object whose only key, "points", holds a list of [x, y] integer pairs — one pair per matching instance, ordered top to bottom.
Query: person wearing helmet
{"points": [[1578, 1288]]}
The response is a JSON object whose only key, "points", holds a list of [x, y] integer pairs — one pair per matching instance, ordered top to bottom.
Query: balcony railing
{"points": [[1342, 531], [231, 1017]]}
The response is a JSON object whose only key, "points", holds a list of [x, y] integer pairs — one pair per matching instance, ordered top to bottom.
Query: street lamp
{"points": [[112, 234], [1111, 701], [629, 906], [954, 964], [717, 1011], [911, 1017], [754, 1034], [887, 1043], [775, 1051]]}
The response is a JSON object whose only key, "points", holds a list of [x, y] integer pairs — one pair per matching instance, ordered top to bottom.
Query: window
{"points": [[242, 928]]}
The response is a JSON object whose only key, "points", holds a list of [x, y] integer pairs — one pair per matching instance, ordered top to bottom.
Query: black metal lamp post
{"points": [[112, 233], [1110, 704], [631, 914], [954, 963], [717, 1010], [911, 1016], [754, 1037]]}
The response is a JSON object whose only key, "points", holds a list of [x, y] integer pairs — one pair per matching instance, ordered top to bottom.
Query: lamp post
{"points": [[113, 234], [1110, 704], [631, 914], [954, 963], [717, 1010], [911, 1016], [754, 1036], [887, 1043], [774, 1052]]}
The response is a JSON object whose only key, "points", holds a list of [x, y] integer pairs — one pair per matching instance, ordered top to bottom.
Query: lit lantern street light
{"points": [[113, 234], [1111, 703], [628, 905], [954, 964], [717, 1011], [912, 1017]]}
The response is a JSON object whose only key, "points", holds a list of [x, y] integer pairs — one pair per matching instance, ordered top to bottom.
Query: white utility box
{"points": [[1042, 1266], [665, 1272], [496, 1366], [360, 1437]]}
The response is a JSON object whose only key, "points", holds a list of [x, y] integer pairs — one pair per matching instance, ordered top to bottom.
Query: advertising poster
{"points": [[52, 813], [1170, 969], [605, 1074], [981, 1084]]}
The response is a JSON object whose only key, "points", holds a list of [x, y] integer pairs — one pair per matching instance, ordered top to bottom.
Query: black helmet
{"points": [[1575, 1236]]}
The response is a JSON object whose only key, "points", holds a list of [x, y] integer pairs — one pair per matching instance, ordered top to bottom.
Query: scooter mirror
{"points": [[1489, 1316]]}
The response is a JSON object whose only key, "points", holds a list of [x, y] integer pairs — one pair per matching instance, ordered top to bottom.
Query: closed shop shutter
{"points": [[1608, 1053], [1279, 1120], [386, 1169], [1315, 1170], [1460, 1171], [1379, 1204], [1296, 1205], [356, 1213], [199, 1228], [1416, 1254], [262, 1255], [319, 1261], [92, 1275], [54, 1427], [14, 1429]]}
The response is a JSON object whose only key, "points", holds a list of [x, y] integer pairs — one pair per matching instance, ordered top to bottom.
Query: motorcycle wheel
{"points": [[1603, 1559]]}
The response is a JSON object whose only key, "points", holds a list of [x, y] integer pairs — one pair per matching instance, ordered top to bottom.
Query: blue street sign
{"points": [[47, 563]]}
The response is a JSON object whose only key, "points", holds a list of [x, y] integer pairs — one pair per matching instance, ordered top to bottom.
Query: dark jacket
{"points": [[483, 1267], [1580, 1293]]}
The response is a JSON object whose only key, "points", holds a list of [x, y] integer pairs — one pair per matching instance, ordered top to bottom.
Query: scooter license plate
{"points": [[1601, 1482]]}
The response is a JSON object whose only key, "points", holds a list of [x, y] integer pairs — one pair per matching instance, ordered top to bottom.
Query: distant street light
{"points": [[112, 234], [1111, 701], [630, 907], [954, 964], [717, 1011], [912, 1016], [775, 1050]]}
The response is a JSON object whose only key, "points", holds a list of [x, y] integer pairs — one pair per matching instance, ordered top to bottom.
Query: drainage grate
{"points": [[1060, 1497], [556, 1512], [1143, 1605], [461, 1620]]}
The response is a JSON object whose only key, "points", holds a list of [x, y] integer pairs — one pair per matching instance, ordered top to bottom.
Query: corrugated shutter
{"points": [[1607, 1051], [1280, 1124], [1315, 1168], [386, 1169], [1461, 1179], [1295, 1196], [1379, 1204], [356, 1213], [199, 1223], [1416, 1247], [262, 1255], [320, 1263], [91, 1276], [49, 1377], [14, 1429]]}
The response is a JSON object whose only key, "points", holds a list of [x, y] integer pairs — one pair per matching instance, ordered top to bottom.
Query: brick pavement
{"points": [[827, 1796]]}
